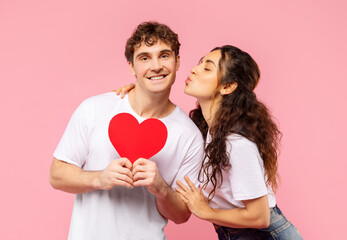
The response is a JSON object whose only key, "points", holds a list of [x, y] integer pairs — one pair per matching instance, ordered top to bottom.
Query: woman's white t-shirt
{"points": [[244, 180]]}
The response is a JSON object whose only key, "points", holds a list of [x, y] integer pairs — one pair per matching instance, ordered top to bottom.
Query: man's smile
{"points": [[157, 77]]}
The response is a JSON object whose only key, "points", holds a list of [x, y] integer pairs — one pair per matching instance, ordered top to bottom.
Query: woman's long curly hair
{"points": [[239, 113]]}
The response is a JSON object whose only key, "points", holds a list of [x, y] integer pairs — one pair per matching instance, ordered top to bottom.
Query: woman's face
{"points": [[203, 81]]}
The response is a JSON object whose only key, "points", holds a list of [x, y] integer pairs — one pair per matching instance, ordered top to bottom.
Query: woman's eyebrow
{"points": [[200, 61], [207, 61], [210, 61]]}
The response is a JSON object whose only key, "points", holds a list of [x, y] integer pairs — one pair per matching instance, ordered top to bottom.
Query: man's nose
{"points": [[156, 65]]}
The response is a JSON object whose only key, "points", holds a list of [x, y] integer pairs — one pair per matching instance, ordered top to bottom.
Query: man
{"points": [[115, 198]]}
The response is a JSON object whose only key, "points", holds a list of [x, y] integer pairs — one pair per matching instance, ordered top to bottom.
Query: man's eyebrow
{"points": [[166, 51], [147, 53], [141, 54]]}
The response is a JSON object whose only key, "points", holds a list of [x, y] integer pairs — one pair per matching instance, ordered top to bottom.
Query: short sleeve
{"points": [[73, 146], [191, 165], [247, 171]]}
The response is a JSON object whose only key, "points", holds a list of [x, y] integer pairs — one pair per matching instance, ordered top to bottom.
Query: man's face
{"points": [[154, 67]]}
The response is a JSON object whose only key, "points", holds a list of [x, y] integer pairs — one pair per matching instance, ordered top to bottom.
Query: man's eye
{"points": [[164, 56], [144, 58], [207, 69]]}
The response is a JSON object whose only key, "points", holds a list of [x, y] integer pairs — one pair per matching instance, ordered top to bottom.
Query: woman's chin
{"points": [[188, 92]]}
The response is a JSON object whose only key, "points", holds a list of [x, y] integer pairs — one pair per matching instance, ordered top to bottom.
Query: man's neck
{"points": [[150, 105]]}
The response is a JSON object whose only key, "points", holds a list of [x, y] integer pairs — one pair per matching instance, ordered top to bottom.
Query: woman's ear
{"points": [[228, 88]]}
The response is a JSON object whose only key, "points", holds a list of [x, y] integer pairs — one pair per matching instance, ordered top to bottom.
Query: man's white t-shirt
{"points": [[244, 180], [123, 213]]}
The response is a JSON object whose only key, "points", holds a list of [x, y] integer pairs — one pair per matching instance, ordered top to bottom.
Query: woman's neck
{"points": [[209, 109]]}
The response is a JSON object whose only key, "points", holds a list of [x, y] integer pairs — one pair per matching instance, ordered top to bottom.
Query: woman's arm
{"points": [[256, 213]]}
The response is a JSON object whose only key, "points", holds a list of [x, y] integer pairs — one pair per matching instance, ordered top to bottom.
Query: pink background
{"points": [[54, 54]]}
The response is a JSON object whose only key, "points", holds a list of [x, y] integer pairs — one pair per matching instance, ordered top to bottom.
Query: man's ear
{"points": [[178, 62], [131, 68], [228, 88]]}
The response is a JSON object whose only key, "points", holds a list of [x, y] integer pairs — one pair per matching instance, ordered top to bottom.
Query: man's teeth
{"points": [[156, 78]]}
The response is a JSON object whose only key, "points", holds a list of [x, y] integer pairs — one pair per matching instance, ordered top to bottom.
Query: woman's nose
{"points": [[193, 70]]}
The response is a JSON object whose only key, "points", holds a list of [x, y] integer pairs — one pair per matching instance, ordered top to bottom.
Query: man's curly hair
{"points": [[150, 33]]}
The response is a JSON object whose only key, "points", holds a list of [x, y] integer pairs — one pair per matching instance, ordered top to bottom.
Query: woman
{"points": [[239, 172]]}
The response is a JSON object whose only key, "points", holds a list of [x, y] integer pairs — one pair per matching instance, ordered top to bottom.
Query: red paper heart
{"points": [[133, 140]]}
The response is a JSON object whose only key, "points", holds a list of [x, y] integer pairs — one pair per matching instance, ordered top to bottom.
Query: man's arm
{"points": [[72, 179], [169, 204]]}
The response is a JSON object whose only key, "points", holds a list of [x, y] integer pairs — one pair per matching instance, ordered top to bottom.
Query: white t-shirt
{"points": [[245, 179], [123, 213]]}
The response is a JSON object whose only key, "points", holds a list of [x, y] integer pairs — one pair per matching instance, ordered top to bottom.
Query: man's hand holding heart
{"points": [[136, 145], [118, 172], [121, 172], [146, 174]]}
